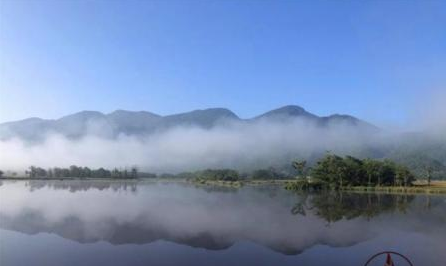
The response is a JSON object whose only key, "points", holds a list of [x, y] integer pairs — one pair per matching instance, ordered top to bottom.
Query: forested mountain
{"points": [[144, 123]]}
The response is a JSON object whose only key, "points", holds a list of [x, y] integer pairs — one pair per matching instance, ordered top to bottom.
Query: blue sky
{"points": [[372, 59]]}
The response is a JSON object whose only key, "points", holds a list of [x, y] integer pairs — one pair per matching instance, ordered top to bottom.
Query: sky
{"points": [[377, 60]]}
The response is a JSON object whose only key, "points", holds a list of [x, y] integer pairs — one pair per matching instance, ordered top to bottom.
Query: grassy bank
{"points": [[205, 182], [237, 184], [436, 187]]}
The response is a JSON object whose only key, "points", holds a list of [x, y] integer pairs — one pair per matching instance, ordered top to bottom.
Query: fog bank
{"points": [[239, 145]]}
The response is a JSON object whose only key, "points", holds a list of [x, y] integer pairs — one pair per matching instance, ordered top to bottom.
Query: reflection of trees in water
{"points": [[80, 185], [221, 189], [272, 191], [335, 206], [301, 207]]}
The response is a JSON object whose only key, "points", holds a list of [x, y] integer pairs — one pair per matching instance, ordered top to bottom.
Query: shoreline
{"points": [[237, 184], [437, 186], [416, 189]]}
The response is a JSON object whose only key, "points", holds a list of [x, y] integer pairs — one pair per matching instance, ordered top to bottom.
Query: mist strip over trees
{"points": [[244, 146]]}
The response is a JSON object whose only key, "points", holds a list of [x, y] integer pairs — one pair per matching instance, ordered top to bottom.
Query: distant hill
{"points": [[145, 123]]}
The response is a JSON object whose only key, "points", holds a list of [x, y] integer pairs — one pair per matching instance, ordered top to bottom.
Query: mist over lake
{"points": [[222, 133], [172, 223]]}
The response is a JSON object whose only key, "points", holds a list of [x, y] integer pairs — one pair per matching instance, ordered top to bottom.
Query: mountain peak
{"points": [[291, 109], [288, 110], [222, 112], [123, 113], [83, 115], [205, 118], [347, 120]]}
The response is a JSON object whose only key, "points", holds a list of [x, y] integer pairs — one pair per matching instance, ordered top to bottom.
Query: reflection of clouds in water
{"points": [[184, 213]]}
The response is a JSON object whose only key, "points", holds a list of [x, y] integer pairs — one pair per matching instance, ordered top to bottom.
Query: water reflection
{"points": [[82, 185], [336, 206], [213, 218]]}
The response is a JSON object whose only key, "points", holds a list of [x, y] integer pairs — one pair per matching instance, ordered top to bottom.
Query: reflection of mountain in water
{"points": [[99, 211], [130, 233]]}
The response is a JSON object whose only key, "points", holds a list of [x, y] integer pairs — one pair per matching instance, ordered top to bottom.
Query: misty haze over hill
{"points": [[129, 123], [210, 138]]}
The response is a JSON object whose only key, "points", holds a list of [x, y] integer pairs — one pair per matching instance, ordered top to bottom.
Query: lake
{"points": [[176, 223]]}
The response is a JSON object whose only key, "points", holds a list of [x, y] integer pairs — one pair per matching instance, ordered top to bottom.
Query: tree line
{"points": [[333, 171], [81, 172], [210, 174], [226, 174]]}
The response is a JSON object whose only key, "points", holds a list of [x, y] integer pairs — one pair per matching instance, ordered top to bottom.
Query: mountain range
{"points": [[144, 123]]}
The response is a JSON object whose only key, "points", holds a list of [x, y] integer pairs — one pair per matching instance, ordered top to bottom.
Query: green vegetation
{"points": [[301, 168], [82, 172], [331, 172], [335, 172], [219, 174], [268, 174], [219, 177], [232, 178]]}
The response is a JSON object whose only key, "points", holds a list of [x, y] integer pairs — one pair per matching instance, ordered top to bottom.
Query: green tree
{"points": [[300, 166], [331, 170], [372, 170], [429, 170], [32, 171], [75, 171], [354, 171], [86, 172], [134, 172], [337, 172], [115, 173], [219, 174]]}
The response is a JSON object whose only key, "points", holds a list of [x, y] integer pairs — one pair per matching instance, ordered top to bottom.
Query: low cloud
{"points": [[432, 113], [240, 145]]}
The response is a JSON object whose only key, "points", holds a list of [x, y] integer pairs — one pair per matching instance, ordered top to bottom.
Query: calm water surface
{"points": [[158, 223]]}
